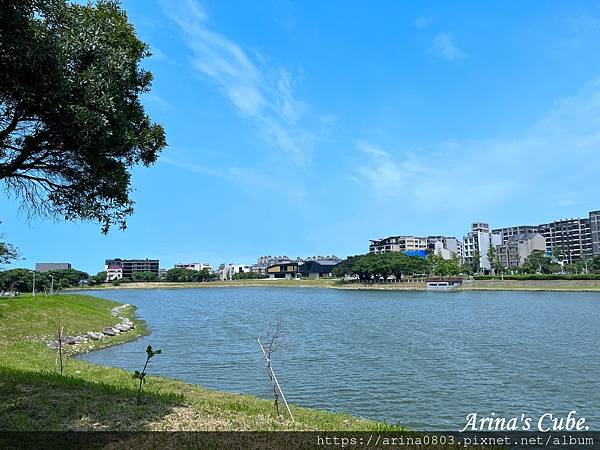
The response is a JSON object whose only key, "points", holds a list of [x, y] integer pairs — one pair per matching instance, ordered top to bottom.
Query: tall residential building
{"points": [[595, 230], [509, 232], [568, 239], [571, 239], [478, 241], [404, 244], [418, 246], [447, 246], [518, 247], [47, 267], [127, 267]]}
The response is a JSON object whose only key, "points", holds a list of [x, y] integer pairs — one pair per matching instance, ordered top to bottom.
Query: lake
{"points": [[425, 359]]}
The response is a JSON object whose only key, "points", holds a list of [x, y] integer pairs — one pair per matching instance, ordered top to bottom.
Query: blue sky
{"points": [[310, 127]]}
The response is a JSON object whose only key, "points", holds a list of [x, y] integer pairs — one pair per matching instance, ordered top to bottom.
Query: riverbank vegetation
{"points": [[373, 266], [36, 397]]}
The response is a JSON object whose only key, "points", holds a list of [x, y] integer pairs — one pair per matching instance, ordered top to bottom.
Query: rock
{"points": [[117, 309], [122, 327], [110, 331], [95, 335], [80, 339], [70, 340], [53, 344]]}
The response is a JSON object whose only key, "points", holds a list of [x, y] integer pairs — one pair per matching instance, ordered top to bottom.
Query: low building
{"points": [[518, 247], [130, 266], [194, 266], [47, 267], [317, 269], [283, 270], [227, 271], [114, 272]]}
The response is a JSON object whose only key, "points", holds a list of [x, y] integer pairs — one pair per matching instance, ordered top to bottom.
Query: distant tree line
{"points": [[383, 265], [375, 266], [248, 276], [21, 280]]}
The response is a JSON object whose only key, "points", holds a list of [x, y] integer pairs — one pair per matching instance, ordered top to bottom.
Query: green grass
{"points": [[303, 282], [91, 397]]}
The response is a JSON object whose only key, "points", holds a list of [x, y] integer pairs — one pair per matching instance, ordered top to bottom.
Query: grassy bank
{"points": [[265, 282], [473, 285], [532, 285], [91, 397]]}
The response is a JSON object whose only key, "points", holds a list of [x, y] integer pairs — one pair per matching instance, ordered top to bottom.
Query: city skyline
{"points": [[422, 117]]}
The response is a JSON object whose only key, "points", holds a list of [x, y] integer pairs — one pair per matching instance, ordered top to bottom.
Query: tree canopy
{"points": [[71, 121], [382, 265], [185, 275], [22, 279]]}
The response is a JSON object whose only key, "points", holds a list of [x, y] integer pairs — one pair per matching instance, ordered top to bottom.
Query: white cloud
{"points": [[422, 22], [445, 47], [258, 91], [557, 153], [247, 180]]}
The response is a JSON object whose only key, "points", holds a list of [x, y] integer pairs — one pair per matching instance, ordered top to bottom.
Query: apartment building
{"points": [[594, 217], [508, 232], [570, 239], [478, 242], [404, 244], [447, 246], [518, 247], [194, 266], [127, 267]]}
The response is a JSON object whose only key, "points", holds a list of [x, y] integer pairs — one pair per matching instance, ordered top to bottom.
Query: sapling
{"points": [[60, 340], [275, 341], [142, 375]]}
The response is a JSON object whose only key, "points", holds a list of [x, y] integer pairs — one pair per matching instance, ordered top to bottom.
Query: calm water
{"points": [[426, 359]]}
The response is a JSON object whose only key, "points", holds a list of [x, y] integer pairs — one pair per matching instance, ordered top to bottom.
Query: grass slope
{"points": [[303, 282], [91, 397]]}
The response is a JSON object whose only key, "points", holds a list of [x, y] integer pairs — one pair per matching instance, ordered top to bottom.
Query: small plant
{"points": [[60, 340], [275, 341], [142, 375]]}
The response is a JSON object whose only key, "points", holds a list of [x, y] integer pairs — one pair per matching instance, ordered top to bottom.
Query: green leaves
{"points": [[71, 121], [382, 265], [151, 352], [142, 375]]}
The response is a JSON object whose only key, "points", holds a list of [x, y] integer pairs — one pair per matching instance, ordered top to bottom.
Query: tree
{"points": [[71, 122], [7, 253], [476, 262], [495, 262], [537, 262], [594, 264], [380, 266], [444, 267], [187, 275], [144, 276], [247, 276], [68, 277], [99, 278], [21, 280]]}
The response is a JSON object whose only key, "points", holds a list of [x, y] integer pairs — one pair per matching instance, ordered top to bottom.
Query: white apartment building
{"points": [[479, 241], [194, 266], [113, 272], [226, 272]]}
